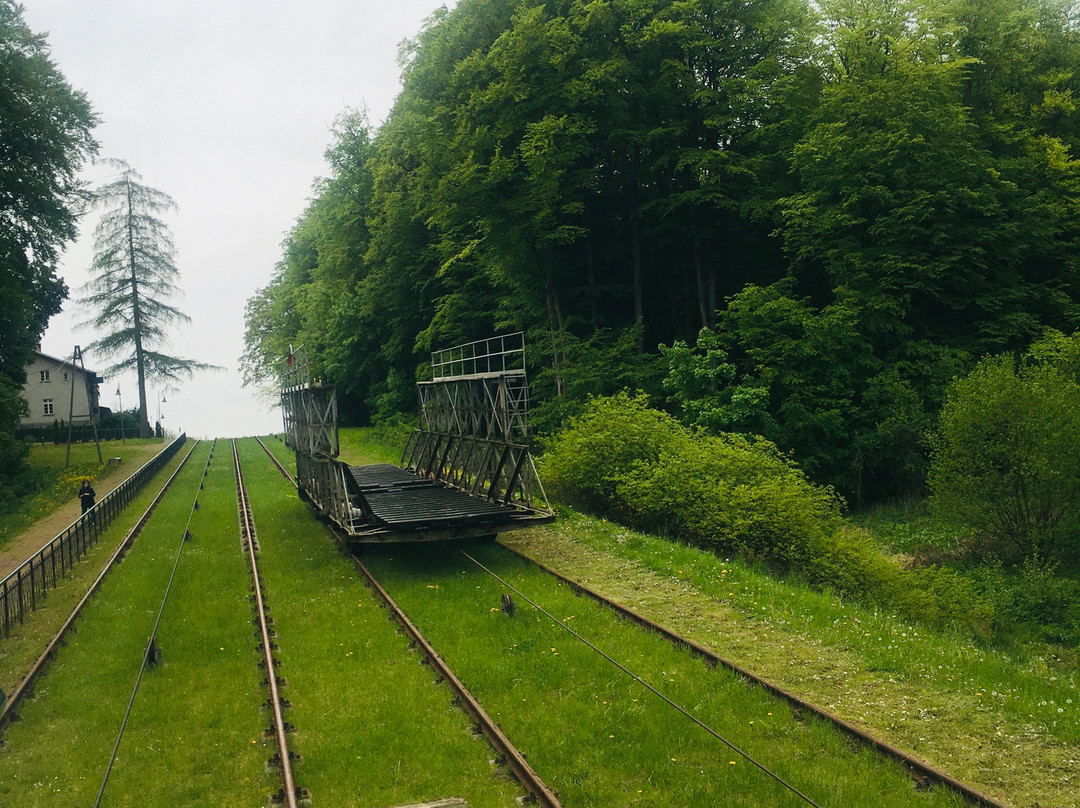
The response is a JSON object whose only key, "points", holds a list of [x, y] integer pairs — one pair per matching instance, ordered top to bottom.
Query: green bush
{"points": [[623, 460], [1006, 460], [582, 466]]}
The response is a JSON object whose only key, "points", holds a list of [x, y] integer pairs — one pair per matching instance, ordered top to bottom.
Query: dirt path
{"points": [[24, 545]]}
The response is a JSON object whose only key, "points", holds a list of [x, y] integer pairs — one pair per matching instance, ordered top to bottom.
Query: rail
{"points": [[30, 582], [8, 708], [513, 758], [918, 768], [288, 794]]}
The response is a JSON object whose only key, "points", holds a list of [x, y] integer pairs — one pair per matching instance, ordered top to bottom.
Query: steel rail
{"points": [[247, 529], [148, 652], [651, 688], [7, 710], [513, 758], [918, 768]]}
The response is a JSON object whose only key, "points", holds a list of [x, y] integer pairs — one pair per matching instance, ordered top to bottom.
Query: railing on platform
{"points": [[502, 355], [22, 589]]}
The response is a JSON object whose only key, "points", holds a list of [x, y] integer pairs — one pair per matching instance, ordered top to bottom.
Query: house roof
{"points": [[67, 364]]}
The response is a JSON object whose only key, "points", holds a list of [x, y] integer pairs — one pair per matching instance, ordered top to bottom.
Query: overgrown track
{"points": [[248, 536], [25, 687], [513, 758], [920, 769], [923, 772]]}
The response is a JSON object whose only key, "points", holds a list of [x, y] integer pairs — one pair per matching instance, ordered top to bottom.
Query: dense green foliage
{"points": [[44, 141], [857, 200], [1007, 458], [624, 460]]}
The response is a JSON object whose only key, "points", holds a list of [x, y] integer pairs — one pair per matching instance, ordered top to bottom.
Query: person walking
{"points": [[86, 496]]}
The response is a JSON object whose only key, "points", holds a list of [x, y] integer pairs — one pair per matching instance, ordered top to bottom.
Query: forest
{"points": [[780, 218]]}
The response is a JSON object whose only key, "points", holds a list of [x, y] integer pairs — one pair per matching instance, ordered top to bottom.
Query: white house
{"points": [[55, 389]]}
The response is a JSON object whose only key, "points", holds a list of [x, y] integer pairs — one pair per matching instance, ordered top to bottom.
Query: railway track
{"points": [[25, 687], [511, 756], [924, 773], [289, 795]]}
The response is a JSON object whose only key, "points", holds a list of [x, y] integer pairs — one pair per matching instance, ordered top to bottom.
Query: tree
{"points": [[45, 138], [134, 262], [1006, 461]]}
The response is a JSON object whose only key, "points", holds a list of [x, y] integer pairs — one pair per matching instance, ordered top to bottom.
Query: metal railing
{"points": [[503, 355], [22, 589]]}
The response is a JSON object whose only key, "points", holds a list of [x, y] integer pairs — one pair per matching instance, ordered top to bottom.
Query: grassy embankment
{"points": [[53, 485], [26, 642], [1007, 724], [373, 728], [195, 732]]}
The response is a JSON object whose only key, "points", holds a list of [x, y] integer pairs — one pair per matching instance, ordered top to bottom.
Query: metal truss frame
{"points": [[308, 409], [473, 427]]}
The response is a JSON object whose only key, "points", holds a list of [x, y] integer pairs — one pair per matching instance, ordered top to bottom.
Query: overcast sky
{"points": [[225, 105]]}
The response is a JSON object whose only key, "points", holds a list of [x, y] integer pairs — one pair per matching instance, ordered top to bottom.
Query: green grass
{"points": [[379, 444], [54, 484], [907, 526], [26, 642], [979, 714], [373, 727], [595, 735], [57, 754]]}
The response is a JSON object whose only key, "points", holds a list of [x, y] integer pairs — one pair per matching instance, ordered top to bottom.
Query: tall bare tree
{"points": [[134, 281]]}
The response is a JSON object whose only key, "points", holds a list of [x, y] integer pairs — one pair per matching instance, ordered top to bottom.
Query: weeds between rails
{"points": [[193, 734], [511, 757], [906, 784], [289, 793]]}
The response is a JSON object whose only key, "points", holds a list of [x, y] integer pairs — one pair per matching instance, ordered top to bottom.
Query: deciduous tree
{"points": [[45, 137]]}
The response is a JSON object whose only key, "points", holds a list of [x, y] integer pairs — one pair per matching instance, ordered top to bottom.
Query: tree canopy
{"points": [[45, 138], [856, 199]]}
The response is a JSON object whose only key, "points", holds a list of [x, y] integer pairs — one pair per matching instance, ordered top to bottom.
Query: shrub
{"points": [[1007, 457], [624, 460], [583, 465], [738, 495]]}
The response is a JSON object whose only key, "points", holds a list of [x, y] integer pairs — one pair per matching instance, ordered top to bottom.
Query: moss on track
{"points": [[598, 737]]}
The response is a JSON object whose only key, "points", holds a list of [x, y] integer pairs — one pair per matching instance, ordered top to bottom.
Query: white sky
{"points": [[226, 106]]}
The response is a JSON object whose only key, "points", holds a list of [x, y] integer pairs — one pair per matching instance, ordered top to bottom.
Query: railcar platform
{"points": [[397, 501]]}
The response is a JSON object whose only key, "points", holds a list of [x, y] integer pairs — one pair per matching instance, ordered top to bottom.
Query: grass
{"points": [[378, 444], [56, 484], [906, 526], [25, 643], [1007, 726], [373, 728], [178, 733], [598, 737]]}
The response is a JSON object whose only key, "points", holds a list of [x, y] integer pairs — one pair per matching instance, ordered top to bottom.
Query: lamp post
{"points": [[123, 437]]}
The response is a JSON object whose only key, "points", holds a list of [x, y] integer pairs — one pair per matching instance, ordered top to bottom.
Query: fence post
{"points": [[22, 607]]}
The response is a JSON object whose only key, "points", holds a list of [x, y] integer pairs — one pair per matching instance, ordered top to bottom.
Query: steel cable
{"points": [[153, 635], [646, 685]]}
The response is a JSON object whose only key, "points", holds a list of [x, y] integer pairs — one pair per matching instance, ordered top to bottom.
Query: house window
{"points": [[44, 375], [65, 376], [47, 406]]}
